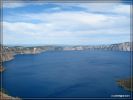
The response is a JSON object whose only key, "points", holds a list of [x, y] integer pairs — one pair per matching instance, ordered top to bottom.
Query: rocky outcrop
{"points": [[121, 46], [113, 47], [8, 53], [7, 56], [2, 68], [126, 84], [4, 96]]}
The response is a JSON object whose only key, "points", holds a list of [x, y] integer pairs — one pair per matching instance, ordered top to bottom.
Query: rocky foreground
{"points": [[2, 69], [126, 84], [4, 96]]}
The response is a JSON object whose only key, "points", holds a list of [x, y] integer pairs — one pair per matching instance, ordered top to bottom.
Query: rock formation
{"points": [[8, 53], [126, 84]]}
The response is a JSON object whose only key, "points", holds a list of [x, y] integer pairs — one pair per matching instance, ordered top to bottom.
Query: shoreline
{"points": [[2, 69], [126, 84], [4, 96]]}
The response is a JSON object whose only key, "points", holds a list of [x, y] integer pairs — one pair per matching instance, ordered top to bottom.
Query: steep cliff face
{"points": [[113, 47], [121, 47], [8, 53], [4, 56], [7, 56], [1, 68]]}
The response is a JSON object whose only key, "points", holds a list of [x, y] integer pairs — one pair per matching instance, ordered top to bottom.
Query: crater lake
{"points": [[67, 74]]}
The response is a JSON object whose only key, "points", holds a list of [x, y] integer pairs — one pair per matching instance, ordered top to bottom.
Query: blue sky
{"points": [[66, 23]]}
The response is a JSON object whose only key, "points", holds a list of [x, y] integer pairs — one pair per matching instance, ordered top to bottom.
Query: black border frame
{"points": [[69, 1]]}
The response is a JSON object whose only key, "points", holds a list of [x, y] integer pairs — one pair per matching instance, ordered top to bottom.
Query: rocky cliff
{"points": [[121, 46], [126, 46], [8, 53], [126, 84]]}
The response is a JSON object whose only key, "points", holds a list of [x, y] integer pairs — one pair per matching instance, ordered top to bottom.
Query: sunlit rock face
{"points": [[113, 47], [121, 47], [6, 54]]}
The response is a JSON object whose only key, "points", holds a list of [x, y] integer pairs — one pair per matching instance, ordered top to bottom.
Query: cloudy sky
{"points": [[66, 23]]}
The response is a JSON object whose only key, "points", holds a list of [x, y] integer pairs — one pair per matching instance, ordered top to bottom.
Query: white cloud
{"points": [[17, 4], [13, 5], [114, 8], [122, 9], [80, 20], [76, 27]]}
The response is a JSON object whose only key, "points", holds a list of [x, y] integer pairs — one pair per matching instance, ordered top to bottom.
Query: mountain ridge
{"points": [[8, 52]]}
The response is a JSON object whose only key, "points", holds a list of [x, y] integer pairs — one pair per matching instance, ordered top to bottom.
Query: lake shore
{"points": [[2, 69], [126, 84], [4, 96]]}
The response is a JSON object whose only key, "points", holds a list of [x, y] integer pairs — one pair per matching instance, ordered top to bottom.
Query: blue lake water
{"points": [[68, 74]]}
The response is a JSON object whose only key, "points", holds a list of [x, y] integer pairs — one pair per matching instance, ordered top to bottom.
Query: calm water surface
{"points": [[67, 74]]}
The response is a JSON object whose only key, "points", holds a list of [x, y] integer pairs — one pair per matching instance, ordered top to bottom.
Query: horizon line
{"points": [[61, 44]]}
